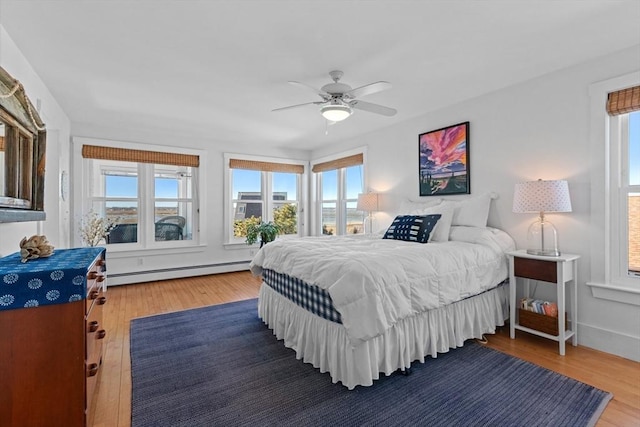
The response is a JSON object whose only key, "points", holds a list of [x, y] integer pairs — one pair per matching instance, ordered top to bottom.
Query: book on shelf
{"points": [[546, 308], [551, 309]]}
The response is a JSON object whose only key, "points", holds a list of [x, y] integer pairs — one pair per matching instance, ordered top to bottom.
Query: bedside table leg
{"points": [[512, 300], [574, 304], [561, 311]]}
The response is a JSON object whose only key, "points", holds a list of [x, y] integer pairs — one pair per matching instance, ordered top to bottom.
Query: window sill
{"points": [[20, 215], [240, 245], [617, 293]]}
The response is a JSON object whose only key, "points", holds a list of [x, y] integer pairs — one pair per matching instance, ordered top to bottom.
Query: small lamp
{"points": [[542, 196], [368, 202]]}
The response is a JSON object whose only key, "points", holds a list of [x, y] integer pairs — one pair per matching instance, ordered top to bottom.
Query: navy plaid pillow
{"points": [[412, 228]]}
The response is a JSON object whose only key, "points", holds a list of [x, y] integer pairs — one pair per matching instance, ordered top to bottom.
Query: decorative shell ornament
{"points": [[35, 247]]}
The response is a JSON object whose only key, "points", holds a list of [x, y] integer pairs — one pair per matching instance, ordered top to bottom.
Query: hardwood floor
{"points": [[611, 373]]}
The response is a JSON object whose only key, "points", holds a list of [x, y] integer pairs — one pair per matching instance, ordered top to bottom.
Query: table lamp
{"points": [[540, 197], [368, 202]]}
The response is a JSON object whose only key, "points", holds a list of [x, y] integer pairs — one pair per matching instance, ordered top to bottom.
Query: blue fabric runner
{"points": [[57, 279]]}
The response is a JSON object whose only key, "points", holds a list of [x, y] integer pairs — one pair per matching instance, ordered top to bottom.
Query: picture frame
{"points": [[443, 161]]}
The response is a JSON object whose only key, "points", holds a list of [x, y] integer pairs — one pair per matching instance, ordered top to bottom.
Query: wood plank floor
{"points": [[113, 407]]}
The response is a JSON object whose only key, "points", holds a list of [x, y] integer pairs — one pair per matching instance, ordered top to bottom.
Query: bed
{"points": [[359, 306]]}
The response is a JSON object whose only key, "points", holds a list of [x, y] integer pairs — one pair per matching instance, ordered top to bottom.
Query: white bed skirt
{"points": [[325, 345]]}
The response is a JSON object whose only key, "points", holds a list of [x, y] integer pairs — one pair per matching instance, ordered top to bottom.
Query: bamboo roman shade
{"points": [[624, 101], [139, 156], [344, 162], [265, 166]]}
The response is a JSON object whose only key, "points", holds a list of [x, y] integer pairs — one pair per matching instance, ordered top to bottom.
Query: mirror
{"points": [[22, 154]]}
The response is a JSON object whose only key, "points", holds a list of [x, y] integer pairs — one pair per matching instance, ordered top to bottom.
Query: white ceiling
{"points": [[215, 69]]}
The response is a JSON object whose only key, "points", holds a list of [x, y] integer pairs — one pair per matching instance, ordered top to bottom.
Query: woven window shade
{"points": [[624, 101], [1, 143], [139, 156], [345, 162], [265, 166]]}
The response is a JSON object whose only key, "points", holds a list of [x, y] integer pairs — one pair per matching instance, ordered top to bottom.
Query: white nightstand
{"points": [[560, 270]]}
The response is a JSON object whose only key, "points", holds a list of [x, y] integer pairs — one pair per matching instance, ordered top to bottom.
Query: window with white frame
{"points": [[338, 184], [625, 184], [263, 191], [153, 205]]}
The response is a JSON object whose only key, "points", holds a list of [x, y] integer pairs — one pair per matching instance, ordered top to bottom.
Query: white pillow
{"points": [[408, 207], [472, 212], [441, 231]]}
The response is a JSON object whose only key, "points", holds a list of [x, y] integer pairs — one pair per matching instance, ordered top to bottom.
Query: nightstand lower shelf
{"points": [[567, 333]]}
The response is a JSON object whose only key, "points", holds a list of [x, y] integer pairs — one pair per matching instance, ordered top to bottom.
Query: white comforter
{"points": [[374, 282]]}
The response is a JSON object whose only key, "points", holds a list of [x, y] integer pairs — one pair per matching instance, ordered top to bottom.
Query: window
{"points": [[624, 110], [338, 184], [263, 191], [627, 195], [153, 205]]}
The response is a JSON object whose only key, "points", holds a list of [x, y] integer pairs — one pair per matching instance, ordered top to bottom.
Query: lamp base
{"points": [[542, 238], [547, 252]]}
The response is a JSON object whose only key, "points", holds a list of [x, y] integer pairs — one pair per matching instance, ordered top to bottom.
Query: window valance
{"points": [[624, 101], [139, 156], [344, 162], [265, 166]]}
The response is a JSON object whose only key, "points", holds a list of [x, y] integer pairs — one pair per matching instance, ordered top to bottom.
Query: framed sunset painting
{"points": [[444, 161]]}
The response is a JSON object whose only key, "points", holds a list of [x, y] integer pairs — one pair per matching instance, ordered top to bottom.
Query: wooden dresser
{"points": [[51, 336]]}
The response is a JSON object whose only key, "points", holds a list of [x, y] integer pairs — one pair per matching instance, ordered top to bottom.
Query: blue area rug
{"points": [[221, 366]]}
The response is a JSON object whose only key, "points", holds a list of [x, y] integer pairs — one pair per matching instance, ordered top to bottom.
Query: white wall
{"points": [[538, 129], [57, 158]]}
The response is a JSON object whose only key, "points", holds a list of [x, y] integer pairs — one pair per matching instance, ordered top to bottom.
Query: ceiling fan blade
{"points": [[311, 88], [368, 89], [298, 105], [373, 108]]}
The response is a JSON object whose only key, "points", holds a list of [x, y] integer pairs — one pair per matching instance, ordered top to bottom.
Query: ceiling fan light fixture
{"points": [[336, 112]]}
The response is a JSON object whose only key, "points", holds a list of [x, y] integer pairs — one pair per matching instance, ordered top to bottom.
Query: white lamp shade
{"points": [[336, 112], [541, 196], [367, 202]]}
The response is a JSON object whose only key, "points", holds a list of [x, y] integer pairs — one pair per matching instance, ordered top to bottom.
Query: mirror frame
{"points": [[21, 120]]}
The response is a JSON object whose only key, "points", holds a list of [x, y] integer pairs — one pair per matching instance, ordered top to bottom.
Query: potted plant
{"points": [[266, 231]]}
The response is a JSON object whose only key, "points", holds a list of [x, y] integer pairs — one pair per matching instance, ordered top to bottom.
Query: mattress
{"points": [[373, 284]]}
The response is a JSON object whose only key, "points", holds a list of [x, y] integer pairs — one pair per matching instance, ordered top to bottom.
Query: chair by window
{"points": [[174, 219], [168, 231], [123, 233]]}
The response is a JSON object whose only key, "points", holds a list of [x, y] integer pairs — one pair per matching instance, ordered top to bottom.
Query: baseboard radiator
{"points": [[175, 272]]}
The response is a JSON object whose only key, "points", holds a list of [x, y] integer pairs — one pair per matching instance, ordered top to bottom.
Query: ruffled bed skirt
{"points": [[325, 344]]}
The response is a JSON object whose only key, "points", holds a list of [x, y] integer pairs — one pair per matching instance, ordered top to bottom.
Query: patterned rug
{"points": [[221, 366]]}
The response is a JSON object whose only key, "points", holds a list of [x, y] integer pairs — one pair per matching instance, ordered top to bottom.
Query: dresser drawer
{"points": [[95, 282], [94, 341]]}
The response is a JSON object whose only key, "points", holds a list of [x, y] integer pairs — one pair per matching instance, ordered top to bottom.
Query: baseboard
{"points": [[175, 273], [613, 342]]}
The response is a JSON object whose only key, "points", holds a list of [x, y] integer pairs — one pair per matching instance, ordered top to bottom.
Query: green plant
{"points": [[267, 231]]}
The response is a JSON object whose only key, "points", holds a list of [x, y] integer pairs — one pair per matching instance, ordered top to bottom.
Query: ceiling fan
{"points": [[339, 99]]}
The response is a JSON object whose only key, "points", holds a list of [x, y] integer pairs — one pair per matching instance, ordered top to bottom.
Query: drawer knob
{"points": [[100, 262], [92, 275], [100, 279], [94, 294], [102, 300], [93, 326], [101, 334], [92, 370]]}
